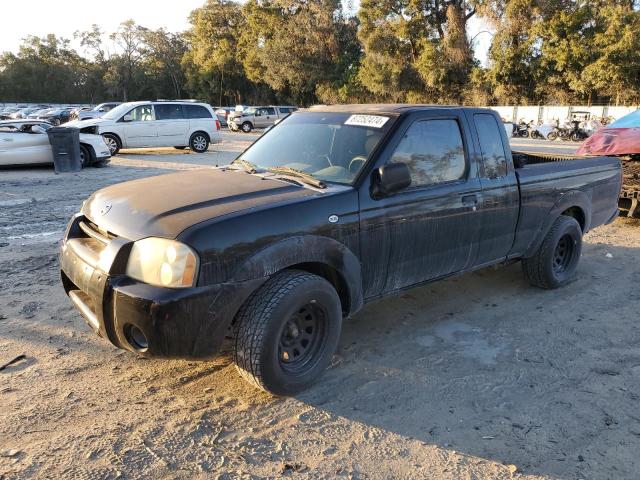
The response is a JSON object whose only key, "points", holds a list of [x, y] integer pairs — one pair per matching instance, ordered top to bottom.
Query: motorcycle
{"points": [[521, 130], [545, 130], [577, 133]]}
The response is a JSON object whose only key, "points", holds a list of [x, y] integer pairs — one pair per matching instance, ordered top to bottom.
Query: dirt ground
{"points": [[479, 376]]}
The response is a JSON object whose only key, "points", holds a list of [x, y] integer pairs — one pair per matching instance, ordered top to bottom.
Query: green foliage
{"points": [[566, 51]]}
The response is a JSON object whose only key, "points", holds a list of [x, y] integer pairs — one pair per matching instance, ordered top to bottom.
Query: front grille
{"points": [[92, 230]]}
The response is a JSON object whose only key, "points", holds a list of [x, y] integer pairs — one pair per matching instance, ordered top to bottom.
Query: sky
{"points": [[63, 17]]}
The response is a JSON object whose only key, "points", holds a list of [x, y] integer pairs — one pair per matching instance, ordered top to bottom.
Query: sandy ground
{"points": [[480, 376]]}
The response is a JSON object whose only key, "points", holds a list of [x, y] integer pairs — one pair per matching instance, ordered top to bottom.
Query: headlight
{"points": [[162, 262]]}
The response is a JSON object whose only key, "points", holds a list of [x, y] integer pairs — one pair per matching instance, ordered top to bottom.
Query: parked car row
{"points": [[20, 111], [85, 113], [54, 115], [178, 124], [111, 126]]}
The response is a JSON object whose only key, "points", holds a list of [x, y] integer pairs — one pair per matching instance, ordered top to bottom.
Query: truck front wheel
{"points": [[554, 263], [286, 333]]}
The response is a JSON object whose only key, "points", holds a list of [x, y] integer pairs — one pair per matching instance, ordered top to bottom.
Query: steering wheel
{"points": [[354, 162]]}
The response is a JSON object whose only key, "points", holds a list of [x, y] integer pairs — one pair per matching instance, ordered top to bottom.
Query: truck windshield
{"points": [[331, 147]]}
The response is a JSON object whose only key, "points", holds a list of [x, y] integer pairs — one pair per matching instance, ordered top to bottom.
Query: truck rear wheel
{"points": [[554, 264], [286, 333]]}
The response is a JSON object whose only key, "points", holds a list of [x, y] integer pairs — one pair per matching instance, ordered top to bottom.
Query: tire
{"points": [[246, 127], [552, 136], [113, 142], [199, 142], [181, 147], [85, 156], [554, 264], [268, 335]]}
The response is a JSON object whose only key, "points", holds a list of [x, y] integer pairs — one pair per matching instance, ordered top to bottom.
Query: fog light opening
{"points": [[136, 338]]}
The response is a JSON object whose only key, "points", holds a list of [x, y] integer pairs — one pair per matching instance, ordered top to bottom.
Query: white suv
{"points": [[156, 124]]}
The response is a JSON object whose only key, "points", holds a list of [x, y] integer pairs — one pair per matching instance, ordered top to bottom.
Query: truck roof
{"points": [[395, 108]]}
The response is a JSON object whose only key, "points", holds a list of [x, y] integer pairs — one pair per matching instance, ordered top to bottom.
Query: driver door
{"points": [[140, 128]]}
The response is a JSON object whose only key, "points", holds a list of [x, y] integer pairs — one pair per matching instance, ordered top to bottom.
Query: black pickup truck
{"points": [[334, 207]]}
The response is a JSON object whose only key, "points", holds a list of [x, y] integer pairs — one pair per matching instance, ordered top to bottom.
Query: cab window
{"points": [[434, 152]]}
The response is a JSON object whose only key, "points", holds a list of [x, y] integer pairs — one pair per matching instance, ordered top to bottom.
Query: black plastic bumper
{"points": [[176, 323]]}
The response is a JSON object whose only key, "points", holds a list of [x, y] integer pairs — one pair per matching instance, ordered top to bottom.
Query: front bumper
{"points": [[175, 323]]}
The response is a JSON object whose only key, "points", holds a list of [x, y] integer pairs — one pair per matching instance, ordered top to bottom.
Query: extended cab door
{"points": [[139, 127], [500, 193], [430, 229]]}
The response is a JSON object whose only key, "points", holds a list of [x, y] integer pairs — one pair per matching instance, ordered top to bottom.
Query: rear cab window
{"points": [[494, 157]]}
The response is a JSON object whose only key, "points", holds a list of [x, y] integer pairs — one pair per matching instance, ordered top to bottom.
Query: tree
{"points": [[293, 46], [416, 50], [162, 61], [212, 68], [44, 70], [615, 72], [124, 76]]}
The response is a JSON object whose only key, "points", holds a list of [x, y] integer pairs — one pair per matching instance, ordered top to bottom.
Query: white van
{"points": [[156, 124]]}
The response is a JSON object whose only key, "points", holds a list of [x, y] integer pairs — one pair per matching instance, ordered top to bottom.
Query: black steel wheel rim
{"points": [[563, 254], [302, 339]]}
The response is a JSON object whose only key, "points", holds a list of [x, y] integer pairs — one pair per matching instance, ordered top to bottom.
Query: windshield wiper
{"points": [[248, 166], [294, 172]]}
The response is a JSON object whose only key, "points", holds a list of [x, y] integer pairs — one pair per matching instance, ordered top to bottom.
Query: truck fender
{"points": [[571, 199], [307, 249]]}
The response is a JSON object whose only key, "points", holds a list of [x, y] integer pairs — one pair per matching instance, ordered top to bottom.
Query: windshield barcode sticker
{"points": [[374, 121]]}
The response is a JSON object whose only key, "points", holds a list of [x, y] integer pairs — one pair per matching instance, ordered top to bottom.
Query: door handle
{"points": [[470, 199]]}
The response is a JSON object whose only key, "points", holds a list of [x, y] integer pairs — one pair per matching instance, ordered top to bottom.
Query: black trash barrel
{"points": [[65, 144]]}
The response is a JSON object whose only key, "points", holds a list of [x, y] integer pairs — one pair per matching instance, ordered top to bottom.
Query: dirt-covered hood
{"points": [[165, 205]]}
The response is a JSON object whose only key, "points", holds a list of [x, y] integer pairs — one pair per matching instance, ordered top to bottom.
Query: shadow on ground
{"points": [[488, 366]]}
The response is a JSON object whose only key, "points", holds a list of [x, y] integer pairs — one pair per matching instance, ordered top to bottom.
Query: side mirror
{"points": [[101, 109], [258, 114], [127, 118], [390, 179]]}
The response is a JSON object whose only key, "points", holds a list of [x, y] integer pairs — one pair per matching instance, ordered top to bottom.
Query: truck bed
{"points": [[544, 179]]}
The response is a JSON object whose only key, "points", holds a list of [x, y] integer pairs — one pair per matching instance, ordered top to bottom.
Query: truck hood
{"points": [[165, 205]]}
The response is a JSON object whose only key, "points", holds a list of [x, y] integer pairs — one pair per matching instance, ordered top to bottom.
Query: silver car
{"points": [[259, 117], [25, 142]]}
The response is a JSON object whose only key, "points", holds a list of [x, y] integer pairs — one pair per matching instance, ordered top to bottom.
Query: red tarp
{"points": [[622, 137], [612, 141]]}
